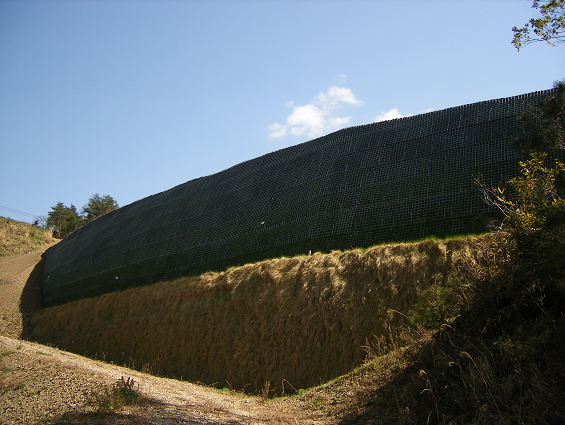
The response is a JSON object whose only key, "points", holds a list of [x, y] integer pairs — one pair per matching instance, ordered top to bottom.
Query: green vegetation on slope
{"points": [[20, 238]]}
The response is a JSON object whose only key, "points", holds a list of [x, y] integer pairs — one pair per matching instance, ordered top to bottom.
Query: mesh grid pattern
{"points": [[390, 181]]}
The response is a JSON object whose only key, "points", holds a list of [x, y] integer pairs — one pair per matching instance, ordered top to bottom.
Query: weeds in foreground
{"points": [[461, 355], [466, 374], [461, 379], [266, 391], [108, 398], [104, 405]]}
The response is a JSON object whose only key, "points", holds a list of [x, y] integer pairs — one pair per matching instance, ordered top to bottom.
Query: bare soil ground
{"points": [[40, 384]]}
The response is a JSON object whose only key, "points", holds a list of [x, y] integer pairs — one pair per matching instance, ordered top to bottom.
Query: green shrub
{"points": [[441, 302]]}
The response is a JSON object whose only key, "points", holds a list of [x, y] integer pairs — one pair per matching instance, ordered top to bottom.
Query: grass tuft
{"points": [[108, 398]]}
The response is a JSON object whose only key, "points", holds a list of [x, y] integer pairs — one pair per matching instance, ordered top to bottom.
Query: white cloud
{"points": [[335, 95], [395, 113], [390, 115], [307, 118], [315, 118], [337, 122], [277, 131]]}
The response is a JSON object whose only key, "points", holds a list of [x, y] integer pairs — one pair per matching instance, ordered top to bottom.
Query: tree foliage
{"points": [[548, 27], [545, 123], [98, 205], [535, 217], [64, 220], [532, 280]]}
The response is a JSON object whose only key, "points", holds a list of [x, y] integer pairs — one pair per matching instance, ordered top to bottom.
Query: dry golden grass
{"points": [[20, 238], [293, 322]]}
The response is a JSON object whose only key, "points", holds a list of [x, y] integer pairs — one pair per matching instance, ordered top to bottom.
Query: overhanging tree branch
{"points": [[548, 27]]}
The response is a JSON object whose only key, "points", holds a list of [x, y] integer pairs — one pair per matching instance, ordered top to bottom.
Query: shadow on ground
{"points": [[31, 299]]}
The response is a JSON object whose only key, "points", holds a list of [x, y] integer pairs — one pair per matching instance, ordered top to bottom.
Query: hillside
{"points": [[20, 238], [292, 322], [400, 333], [441, 364], [41, 384]]}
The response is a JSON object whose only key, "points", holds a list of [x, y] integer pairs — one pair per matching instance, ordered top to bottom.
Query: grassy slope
{"points": [[20, 238], [293, 322], [446, 373]]}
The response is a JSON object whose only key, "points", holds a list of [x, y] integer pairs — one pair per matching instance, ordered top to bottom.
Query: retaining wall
{"points": [[397, 180]]}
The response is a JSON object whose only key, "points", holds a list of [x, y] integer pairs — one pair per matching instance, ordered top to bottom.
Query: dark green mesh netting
{"points": [[397, 180]]}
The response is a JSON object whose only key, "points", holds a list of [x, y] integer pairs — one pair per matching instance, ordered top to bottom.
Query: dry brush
{"points": [[292, 322]]}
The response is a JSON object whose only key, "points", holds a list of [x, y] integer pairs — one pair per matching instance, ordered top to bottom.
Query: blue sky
{"points": [[131, 98]]}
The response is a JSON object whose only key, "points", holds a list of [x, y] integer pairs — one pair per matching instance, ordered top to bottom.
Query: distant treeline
{"points": [[64, 220]]}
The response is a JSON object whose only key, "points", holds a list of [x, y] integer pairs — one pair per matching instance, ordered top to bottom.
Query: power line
{"points": [[18, 212]]}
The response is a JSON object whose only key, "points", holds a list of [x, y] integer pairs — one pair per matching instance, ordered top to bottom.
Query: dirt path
{"points": [[20, 280], [40, 384]]}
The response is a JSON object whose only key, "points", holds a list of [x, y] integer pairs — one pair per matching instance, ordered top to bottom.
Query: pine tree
{"points": [[98, 206], [64, 220]]}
